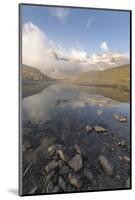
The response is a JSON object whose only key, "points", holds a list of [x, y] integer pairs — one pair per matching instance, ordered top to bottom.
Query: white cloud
{"points": [[60, 13], [89, 22], [104, 46], [77, 55], [55, 61]]}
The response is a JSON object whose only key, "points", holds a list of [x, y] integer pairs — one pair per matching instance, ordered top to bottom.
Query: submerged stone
{"points": [[120, 118], [99, 128], [51, 150], [62, 155], [76, 163], [52, 165], [106, 165], [74, 180], [62, 183]]}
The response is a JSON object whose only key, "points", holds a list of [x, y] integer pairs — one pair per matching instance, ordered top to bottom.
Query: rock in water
{"points": [[121, 118], [88, 128], [99, 129], [123, 143], [77, 148], [51, 150], [80, 151], [62, 155], [126, 158], [76, 163], [52, 165], [106, 165], [87, 173], [49, 176], [74, 180], [62, 183], [49, 187]]}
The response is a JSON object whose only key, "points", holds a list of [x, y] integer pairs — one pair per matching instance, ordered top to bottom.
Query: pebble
{"points": [[121, 118], [99, 128], [123, 143], [77, 148], [51, 150], [62, 155], [126, 158], [76, 163], [52, 165], [106, 165], [50, 176], [74, 180], [62, 183], [49, 187]]}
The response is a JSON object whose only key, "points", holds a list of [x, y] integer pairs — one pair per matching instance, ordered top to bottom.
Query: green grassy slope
{"points": [[118, 77]]}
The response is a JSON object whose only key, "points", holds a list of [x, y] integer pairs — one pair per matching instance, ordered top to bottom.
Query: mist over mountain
{"points": [[54, 61]]}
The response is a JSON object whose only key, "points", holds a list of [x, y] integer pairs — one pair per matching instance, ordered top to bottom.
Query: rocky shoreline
{"points": [[57, 160]]}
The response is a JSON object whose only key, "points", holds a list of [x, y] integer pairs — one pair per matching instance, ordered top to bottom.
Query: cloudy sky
{"points": [[66, 41]]}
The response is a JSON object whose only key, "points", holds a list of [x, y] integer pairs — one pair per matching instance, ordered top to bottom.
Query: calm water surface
{"points": [[79, 106]]}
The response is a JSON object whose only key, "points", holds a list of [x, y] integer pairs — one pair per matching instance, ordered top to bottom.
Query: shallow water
{"points": [[59, 114]]}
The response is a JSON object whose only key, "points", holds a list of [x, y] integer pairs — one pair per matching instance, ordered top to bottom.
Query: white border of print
{"points": [[9, 98]]}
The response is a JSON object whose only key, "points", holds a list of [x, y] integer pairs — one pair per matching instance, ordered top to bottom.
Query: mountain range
{"points": [[32, 73], [117, 77]]}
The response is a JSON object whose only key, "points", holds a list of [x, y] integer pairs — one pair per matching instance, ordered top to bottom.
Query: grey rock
{"points": [[120, 118], [99, 129], [123, 143], [26, 146], [77, 149], [51, 150], [80, 151], [62, 155], [126, 158], [76, 163], [52, 165], [106, 165], [87, 173], [50, 176], [75, 181], [62, 183], [49, 187]]}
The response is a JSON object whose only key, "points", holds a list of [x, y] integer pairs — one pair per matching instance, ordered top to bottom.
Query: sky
{"points": [[76, 36]]}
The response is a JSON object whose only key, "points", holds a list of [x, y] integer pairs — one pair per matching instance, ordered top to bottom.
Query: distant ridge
{"points": [[31, 73], [118, 77]]}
